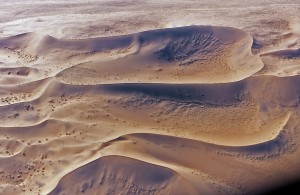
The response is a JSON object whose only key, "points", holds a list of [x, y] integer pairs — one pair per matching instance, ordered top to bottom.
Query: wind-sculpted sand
{"points": [[156, 109]]}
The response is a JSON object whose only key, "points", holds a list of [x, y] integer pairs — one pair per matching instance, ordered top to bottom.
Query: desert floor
{"points": [[149, 97]]}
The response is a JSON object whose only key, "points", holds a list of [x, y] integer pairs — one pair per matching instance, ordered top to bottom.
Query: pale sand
{"points": [[148, 99]]}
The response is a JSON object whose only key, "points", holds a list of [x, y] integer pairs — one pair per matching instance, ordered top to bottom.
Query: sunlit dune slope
{"points": [[192, 54], [186, 110]]}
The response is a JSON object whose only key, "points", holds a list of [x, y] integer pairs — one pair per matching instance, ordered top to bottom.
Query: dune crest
{"points": [[196, 54], [103, 99]]}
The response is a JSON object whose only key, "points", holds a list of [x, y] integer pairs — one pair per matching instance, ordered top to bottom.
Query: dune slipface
{"points": [[193, 54], [154, 101]]}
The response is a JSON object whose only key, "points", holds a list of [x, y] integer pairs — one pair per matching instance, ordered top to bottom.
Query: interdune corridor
{"points": [[149, 97]]}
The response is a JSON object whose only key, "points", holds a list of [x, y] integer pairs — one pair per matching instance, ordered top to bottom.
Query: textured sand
{"points": [[149, 97]]}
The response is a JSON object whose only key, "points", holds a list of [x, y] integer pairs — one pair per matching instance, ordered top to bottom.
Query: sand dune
{"points": [[190, 54], [202, 54], [154, 101], [141, 178]]}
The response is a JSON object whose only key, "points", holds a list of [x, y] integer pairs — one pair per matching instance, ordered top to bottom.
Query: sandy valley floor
{"points": [[149, 97]]}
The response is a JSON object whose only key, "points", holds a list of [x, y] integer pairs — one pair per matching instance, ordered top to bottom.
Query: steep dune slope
{"points": [[202, 54], [185, 110], [66, 138], [114, 174]]}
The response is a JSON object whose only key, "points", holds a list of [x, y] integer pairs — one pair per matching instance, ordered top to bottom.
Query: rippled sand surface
{"points": [[149, 97]]}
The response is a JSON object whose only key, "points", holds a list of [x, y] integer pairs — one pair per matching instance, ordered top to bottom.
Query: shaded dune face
{"points": [[188, 54], [203, 54], [285, 54], [281, 63], [186, 110], [154, 146], [116, 174]]}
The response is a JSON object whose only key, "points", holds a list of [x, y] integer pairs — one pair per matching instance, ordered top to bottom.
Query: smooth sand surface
{"points": [[152, 97]]}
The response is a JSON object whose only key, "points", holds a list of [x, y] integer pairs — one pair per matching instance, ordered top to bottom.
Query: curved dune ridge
{"points": [[193, 54], [187, 110], [141, 178]]}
